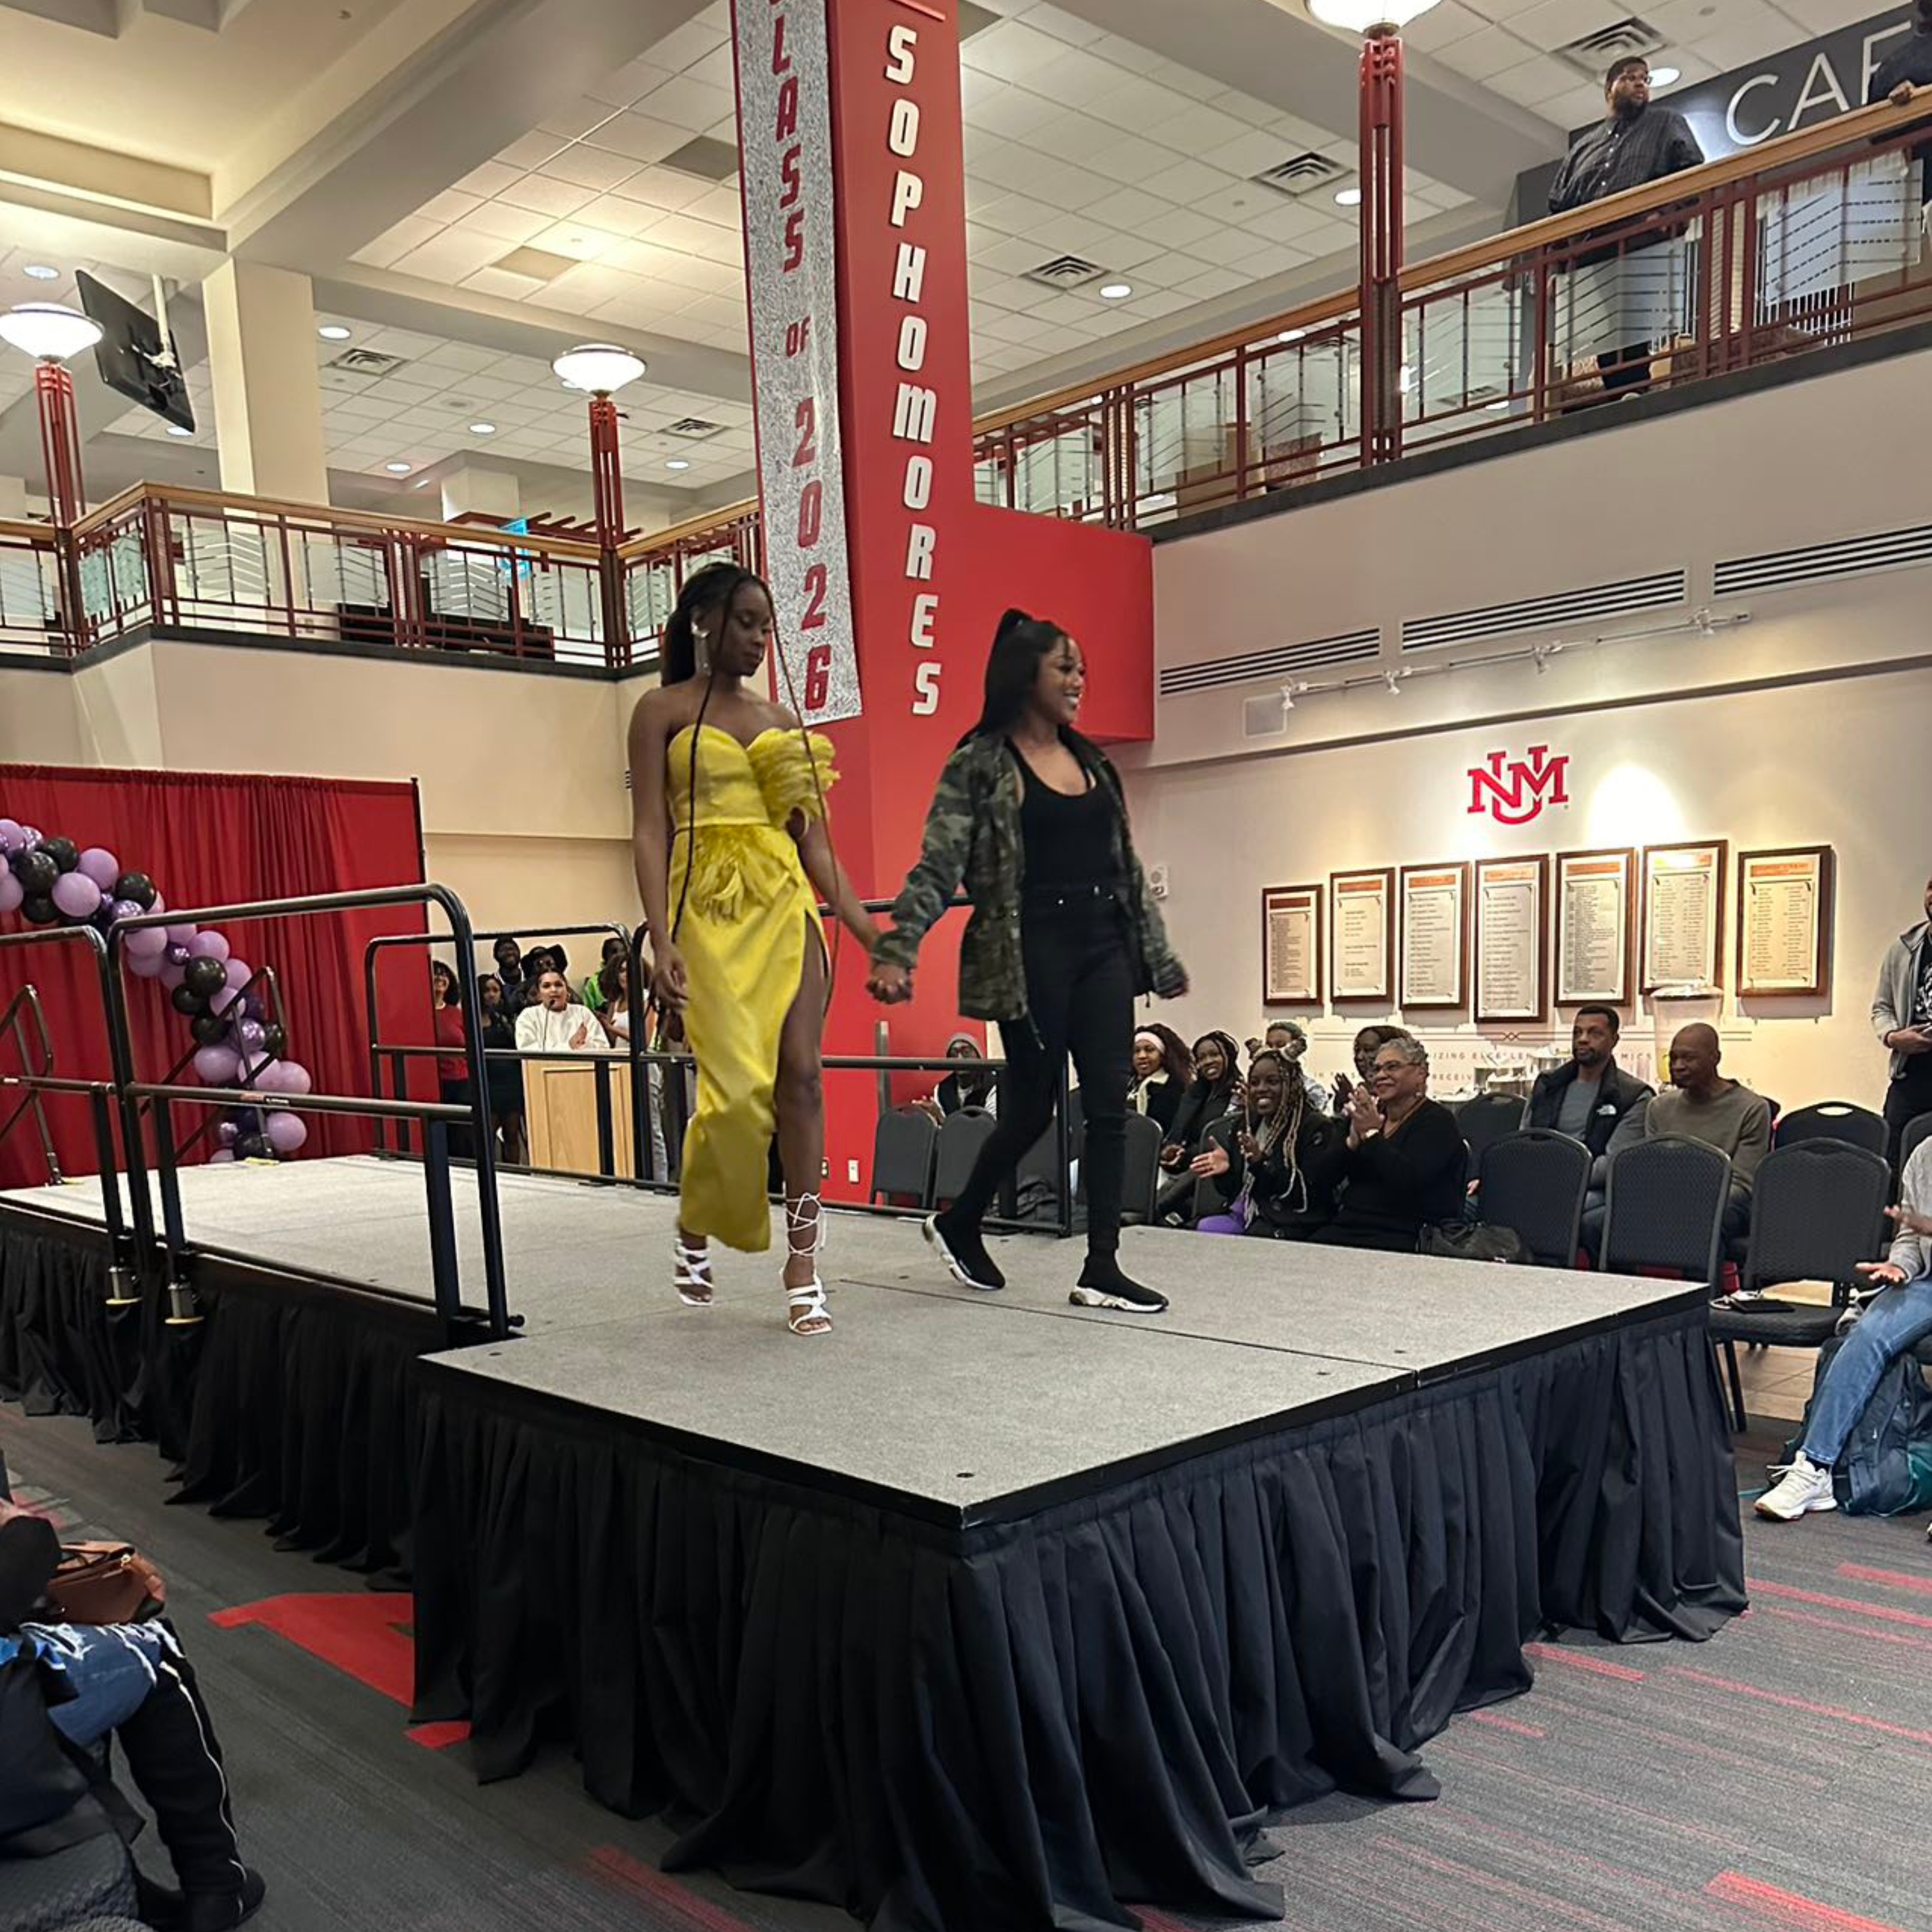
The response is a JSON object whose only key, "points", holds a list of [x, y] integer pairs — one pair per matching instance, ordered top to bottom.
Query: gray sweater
{"points": [[1892, 1004], [1734, 1121], [1912, 1253]]}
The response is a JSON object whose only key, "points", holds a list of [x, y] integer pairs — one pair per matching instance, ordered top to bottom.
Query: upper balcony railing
{"points": [[1812, 240]]}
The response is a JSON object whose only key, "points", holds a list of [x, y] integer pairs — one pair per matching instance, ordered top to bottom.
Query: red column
{"points": [[1381, 168], [60, 443], [606, 495]]}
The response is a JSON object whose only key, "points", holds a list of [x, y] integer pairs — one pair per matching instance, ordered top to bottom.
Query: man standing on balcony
{"points": [[1908, 66], [1638, 142]]}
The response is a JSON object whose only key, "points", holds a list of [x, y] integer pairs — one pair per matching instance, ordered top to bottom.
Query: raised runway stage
{"points": [[983, 1611]]}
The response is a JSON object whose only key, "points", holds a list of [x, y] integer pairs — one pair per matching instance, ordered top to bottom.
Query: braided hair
{"points": [[1283, 1132]]}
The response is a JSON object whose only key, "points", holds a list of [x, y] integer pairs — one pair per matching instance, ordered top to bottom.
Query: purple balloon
{"points": [[9, 835], [29, 837], [100, 865], [11, 892], [76, 895], [159, 904], [126, 909], [183, 936], [149, 942], [208, 944], [147, 966], [239, 973], [170, 976], [250, 1033], [217, 1066], [285, 1076], [286, 1132], [227, 1133], [219, 1155]]}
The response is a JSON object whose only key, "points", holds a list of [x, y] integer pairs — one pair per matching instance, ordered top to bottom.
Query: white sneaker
{"points": [[1805, 1488]]}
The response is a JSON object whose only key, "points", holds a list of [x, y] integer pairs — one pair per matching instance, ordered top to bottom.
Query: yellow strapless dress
{"points": [[748, 914]]}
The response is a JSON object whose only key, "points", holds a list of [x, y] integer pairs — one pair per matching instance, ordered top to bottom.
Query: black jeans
{"points": [[1080, 988], [1906, 1099]]}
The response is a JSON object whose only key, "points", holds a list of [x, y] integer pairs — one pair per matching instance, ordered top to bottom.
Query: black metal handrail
{"points": [[437, 1117]]}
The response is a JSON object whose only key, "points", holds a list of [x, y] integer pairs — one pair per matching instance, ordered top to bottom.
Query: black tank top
{"points": [[1070, 842]]}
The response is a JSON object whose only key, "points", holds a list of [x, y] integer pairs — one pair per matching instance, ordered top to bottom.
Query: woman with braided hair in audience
{"points": [[1262, 1163]]}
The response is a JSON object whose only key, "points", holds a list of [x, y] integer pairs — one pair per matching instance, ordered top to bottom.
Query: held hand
{"points": [[1900, 96], [671, 982], [890, 985], [1179, 990], [1909, 1040], [1251, 1148], [1172, 1156], [1213, 1161], [1909, 1223], [1882, 1272]]}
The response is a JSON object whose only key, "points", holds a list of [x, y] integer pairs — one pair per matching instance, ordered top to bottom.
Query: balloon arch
{"points": [[53, 882]]}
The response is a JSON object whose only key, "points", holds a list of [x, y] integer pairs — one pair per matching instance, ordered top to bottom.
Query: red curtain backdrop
{"points": [[206, 839]]}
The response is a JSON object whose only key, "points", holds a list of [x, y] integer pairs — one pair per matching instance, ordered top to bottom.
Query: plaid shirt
{"points": [[1619, 153]]}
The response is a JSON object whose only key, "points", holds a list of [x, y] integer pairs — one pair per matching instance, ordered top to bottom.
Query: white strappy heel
{"points": [[692, 1275], [806, 1312]]}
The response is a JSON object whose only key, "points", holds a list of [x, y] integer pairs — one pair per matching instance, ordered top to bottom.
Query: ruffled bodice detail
{"points": [[747, 798]]}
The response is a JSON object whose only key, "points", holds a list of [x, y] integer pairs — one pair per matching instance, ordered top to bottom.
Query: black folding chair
{"points": [[1487, 1119], [1833, 1120], [1916, 1131], [905, 1146], [958, 1147], [1534, 1182], [1141, 1184], [1664, 1208], [1817, 1209]]}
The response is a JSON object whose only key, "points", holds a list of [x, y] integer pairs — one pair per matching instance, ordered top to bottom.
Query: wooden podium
{"points": [[560, 1106]]}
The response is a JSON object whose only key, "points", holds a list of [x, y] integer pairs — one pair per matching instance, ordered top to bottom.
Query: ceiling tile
{"points": [[1045, 18], [683, 45], [1011, 50], [1483, 55], [623, 85], [688, 103], [575, 119], [643, 137], [532, 151], [1251, 152], [589, 167], [487, 180], [665, 189], [540, 195], [616, 214], [510, 226], [1178, 228], [577, 238], [393, 244], [496, 282]]}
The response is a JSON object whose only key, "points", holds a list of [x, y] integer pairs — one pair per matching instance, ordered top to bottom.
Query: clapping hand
{"points": [[579, 1037], [1365, 1117], [1251, 1148], [1213, 1160]]}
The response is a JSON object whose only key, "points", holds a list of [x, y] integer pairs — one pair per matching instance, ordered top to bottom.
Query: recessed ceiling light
{"points": [[1666, 76], [1348, 197], [39, 272], [1116, 291], [333, 332], [1290, 335], [176, 429], [482, 429], [677, 463], [398, 469], [422, 482]]}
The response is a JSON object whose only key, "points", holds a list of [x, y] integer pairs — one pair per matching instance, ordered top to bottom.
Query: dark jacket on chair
{"points": [[1618, 1093]]}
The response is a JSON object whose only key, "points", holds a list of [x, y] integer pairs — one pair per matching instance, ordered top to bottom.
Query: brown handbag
{"points": [[106, 1583]]}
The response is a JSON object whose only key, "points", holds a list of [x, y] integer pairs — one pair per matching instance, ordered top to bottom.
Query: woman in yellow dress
{"points": [[733, 858]]}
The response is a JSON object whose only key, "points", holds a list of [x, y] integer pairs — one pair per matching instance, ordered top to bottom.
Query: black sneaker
{"points": [[964, 1255], [1103, 1286], [219, 1911]]}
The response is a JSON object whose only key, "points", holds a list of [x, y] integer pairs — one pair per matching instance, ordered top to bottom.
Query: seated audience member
{"points": [[509, 958], [597, 988], [622, 1011], [556, 1024], [1289, 1039], [1369, 1043], [452, 1069], [1163, 1070], [505, 1076], [965, 1088], [1210, 1098], [1587, 1099], [1698, 1104], [1262, 1162], [1400, 1167], [1899, 1316], [133, 1682]]}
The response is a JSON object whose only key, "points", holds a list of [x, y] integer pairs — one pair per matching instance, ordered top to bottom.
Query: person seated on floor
{"points": [[556, 1024], [1369, 1043], [1163, 1071], [965, 1088], [1212, 1095], [1588, 1098], [1698, 1105], [1263, 1161], [1400, 1166], [1897, 1318], [131, 1681]]}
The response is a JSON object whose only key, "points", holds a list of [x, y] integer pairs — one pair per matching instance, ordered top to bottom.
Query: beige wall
{"points": [[38, 723], [523, 884]]}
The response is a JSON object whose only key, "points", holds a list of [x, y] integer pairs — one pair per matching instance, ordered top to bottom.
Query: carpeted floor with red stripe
{"points": [[1775, 1779]]}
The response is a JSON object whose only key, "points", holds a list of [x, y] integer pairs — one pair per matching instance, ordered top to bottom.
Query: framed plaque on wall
{"points": [[1683, 915], [1784, 922], [1594, 926], [1434, 934], [1361, 936], [1292, 946], [1512, 949]]}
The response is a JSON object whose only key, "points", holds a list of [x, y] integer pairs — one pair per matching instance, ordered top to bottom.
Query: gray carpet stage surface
{"points": [[1772, 1780]]}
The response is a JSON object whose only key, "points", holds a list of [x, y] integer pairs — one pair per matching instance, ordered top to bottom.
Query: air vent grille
{"points": [[974, 19], [1595, 52], [709, 159], [1300, 174], [536, 264], [1066, 271], [365, 362], [693, 429], [1818, 563], [1545, 613], [1356, 647]]}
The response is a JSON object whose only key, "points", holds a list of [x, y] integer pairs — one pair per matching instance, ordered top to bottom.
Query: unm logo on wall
{"points": [[1514, 791]]}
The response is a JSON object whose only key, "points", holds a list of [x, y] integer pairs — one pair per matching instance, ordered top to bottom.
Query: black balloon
{"points": [[64, 852], [35, 871], [137, 886], [37, 909], [203, 978], [187, 1001], [208, 1028], [275, 1042], [254, 1146]]}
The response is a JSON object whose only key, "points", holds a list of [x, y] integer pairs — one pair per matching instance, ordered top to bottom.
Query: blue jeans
{"points": [[1889, 1326], [112, 1667]]}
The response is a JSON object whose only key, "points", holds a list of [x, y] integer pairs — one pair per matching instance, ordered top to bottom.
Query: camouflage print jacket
{"points": [[973, 835]]}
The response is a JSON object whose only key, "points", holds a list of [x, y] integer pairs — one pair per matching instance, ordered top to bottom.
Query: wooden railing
{"points": [[1806, 241]]}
